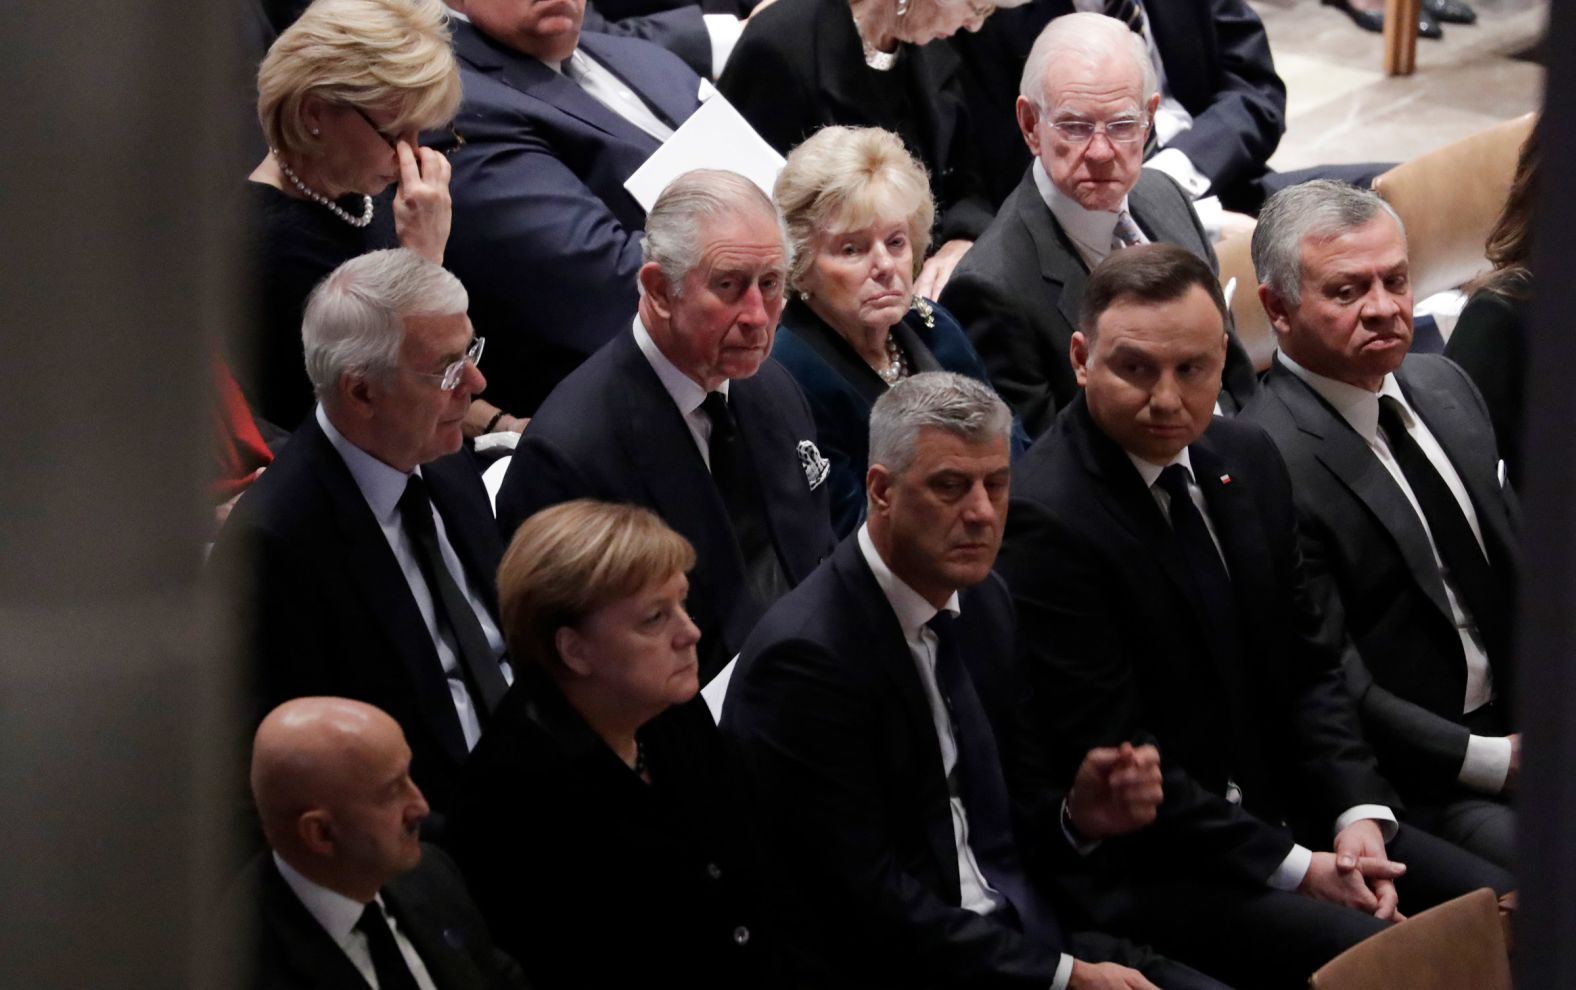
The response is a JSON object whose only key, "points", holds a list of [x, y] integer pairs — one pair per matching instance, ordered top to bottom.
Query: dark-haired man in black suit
{"points": [[686, 415], [1402, 498], [371, 551], [1152, 552], [869, 711], [347, 895]]}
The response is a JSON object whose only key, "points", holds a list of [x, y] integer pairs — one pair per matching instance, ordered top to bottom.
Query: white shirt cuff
{"points": [[724, 30], [1177, 165], [1487, 764], [1377, 812], [1288, 875], [1064, 972]]}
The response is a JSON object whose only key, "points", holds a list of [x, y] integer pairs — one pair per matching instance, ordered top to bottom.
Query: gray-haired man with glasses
{"points": [[1087, 103], [373, 550]]}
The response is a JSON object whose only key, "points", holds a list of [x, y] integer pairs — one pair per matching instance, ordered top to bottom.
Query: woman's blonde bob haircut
{"points": [[391, 55], [847, 178], [567, 561]]}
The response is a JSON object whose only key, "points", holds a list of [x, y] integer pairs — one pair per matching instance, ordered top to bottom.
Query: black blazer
{"points": [[799, 66], [1218, 66], [546, 237], [1019, 292], [1490, 344], [841, 388], [612, 432], [330, 612], [1115, 646], [1408, 672], [830, 723], [591, 877], [430, 903]]}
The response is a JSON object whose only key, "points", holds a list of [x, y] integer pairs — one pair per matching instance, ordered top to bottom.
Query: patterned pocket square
{"points": [[816, 467]]}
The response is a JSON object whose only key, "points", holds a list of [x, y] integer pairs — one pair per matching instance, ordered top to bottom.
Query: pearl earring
{"points": [[316, 132]]}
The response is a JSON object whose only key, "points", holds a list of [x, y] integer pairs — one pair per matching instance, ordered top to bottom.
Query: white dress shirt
{"points": [[611, 91], [1091, 231], [682, 389], [382, 487], [913, 612], [1487, 762], [1289, 874], [339, 914]]}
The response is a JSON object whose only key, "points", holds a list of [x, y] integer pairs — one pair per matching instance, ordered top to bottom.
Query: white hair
{"points": [[1086, 36], [1321, 209], [673, 239], [354, 320], [940, 399]]}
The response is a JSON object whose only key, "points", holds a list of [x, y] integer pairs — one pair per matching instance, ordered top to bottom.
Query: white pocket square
{"points": [[816, 467]]}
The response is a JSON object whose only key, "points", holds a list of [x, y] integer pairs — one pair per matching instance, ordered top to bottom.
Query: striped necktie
{"points": [[1129, 12], [1126, 233]]}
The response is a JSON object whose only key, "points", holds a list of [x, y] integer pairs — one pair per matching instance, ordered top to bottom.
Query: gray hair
{"points": [[1087, 36], [1319, 209], [673, 240], [354, 319], [942, 399]]}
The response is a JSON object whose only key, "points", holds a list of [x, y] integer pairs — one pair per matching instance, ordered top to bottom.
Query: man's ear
{"points": [[1154, 105], [1028, 123], [655, 286], [1276, 309], [1078, 353], [355, 391], [878, 488], [315, 829]]}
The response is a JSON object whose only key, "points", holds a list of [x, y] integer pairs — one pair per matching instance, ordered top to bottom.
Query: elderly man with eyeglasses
{"points": [[1087, 103], [369, 542]]}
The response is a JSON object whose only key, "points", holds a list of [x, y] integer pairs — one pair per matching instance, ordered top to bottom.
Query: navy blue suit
{"points": [[545, 237], [842, 387], [612, 432], [330, 612]]}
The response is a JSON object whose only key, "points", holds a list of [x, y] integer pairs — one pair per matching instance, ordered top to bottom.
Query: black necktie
{"points": [[735, 478], [1459, 550], [478, 663], [977, 777], [387, 961]]}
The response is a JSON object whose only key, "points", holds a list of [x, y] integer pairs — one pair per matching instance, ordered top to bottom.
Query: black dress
{"points": [[799, 66], [296, 242], [1490, 342], [591, 877]]}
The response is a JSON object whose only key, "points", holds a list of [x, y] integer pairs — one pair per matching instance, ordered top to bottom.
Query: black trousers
{"points": [[1259, 937]]}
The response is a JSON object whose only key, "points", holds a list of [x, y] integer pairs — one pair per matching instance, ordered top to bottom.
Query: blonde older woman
{"points": [[803, 64], [342, 94], [858, 211], [596, 822]]}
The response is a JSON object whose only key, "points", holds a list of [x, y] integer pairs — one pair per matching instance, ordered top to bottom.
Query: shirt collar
{"points": [[458, 16], [1091, 228], [681, 387], [1358, 406], [1150, 471], [380, 484], [911, 608], [337, 913]]}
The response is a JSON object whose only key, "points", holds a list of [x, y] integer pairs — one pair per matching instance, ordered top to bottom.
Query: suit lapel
{"points": [[932, 68], [533, 78], [673, 104], [1059, 261], [835, 351], [774, 453], [1349, 458], [467, 522], [381, 583], [889, 652], [419, 921], [307, 949]]}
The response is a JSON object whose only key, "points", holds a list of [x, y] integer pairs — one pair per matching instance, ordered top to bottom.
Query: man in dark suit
{"points": [[702, 34], [546, 237], [1018, 290], [686, 415], [1402, 499], [371, 553], [1152, 553], [862, 711], [348, 896]]}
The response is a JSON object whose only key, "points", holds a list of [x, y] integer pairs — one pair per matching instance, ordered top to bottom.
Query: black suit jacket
{"points": [[677, 25], [1218, 66], [799, 67], [546, 237], [1019, 292], [612, 432], [330, 612], [1114, 643], [1408, 672], [830, 722], [593, 878], [433, 910]]}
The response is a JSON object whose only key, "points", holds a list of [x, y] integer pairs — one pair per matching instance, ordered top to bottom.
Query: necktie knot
{"points": [[1126, 233], [1391, 418], [1173, 481], [415, 507], [371, 917], [387, 961]]}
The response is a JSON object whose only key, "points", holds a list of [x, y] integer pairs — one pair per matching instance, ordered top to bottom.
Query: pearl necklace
{"points": [[317, 197], [897, 364]]}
